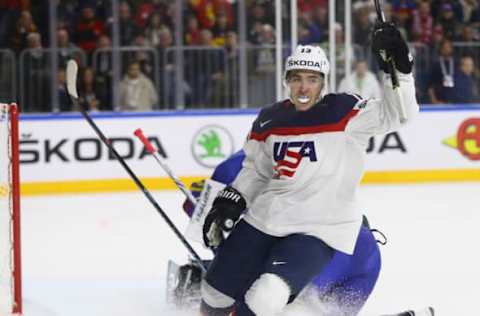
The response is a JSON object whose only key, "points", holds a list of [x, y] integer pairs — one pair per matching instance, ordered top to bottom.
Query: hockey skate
{"points": [[428, 311]]}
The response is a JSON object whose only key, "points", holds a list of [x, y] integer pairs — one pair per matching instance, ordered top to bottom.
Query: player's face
{"points": [[305, 87]]}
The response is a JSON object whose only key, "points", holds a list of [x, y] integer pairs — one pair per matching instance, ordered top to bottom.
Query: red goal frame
{"points": [[14, 196]]}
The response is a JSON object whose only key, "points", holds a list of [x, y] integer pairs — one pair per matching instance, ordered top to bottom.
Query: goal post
{"points": [[10, 250]]}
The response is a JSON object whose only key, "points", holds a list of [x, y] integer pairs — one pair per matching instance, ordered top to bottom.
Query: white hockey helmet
{"points": [[307, 57]]}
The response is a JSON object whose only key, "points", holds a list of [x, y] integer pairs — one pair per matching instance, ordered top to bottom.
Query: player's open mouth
{"points": [[303, 99]]}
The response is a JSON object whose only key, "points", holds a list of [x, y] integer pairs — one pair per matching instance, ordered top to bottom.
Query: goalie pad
{"points": [[183, 284]]}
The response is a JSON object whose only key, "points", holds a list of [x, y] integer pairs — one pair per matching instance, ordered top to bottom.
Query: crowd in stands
{"points": [[444, 35]]}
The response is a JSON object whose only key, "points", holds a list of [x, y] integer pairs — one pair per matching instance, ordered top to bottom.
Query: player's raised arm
{"points": [[388, 41], [397, 105]]}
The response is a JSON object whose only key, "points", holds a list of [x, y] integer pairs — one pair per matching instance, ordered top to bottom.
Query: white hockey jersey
{"points": [[302, 169]]}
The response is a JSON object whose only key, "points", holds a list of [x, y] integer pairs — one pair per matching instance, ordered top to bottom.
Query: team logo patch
{"points": [[288, 156]]}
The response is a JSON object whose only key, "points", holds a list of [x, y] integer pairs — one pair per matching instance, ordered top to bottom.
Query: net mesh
{"points": [[6, 209]]}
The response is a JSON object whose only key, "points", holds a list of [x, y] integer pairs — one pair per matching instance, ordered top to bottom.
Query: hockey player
{"points": [[304, 161], [347, 280], [341, 289]]}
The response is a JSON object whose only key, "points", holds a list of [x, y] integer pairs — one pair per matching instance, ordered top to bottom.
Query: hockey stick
{"points": [[392, 69], [71, 74], [151, 150], [198, 215]]}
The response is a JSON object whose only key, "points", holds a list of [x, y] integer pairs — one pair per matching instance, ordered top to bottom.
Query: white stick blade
{"points": [[72, 69]]}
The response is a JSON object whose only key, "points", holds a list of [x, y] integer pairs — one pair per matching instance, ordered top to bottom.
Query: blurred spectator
{"points": [[310, 5], [407, 6], [438, 6], [148, 7], [468, 8], [208, 11], [9, 12], [40, 14], [67, 14], [257, 16], [402, 16], [475, 18], [320, 19], [448, 21], [422, 26], [23, 27], [128, 28], [153, 28], [363, 28], [88, 29], [220, 29], [192, 31], [308, 31], [254, 33], [467, 34], [206, 37], [437, 40], [165, 42], [468, 42], [66, 49], [341, 53], [144, 55], [200, 64], [166, 69], [103, 71], [36, 76], [8, 80], [225, 82], [362, 82], [262, 83], [466, 85], [441, 87], [137, 92], [92, 96], [64, 102]]}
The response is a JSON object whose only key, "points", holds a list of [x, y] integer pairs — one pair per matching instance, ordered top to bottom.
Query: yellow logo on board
{"points": [[467, 140]]}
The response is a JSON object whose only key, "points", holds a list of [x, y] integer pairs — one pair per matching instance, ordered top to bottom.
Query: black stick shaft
{"points": [[144, 190]]}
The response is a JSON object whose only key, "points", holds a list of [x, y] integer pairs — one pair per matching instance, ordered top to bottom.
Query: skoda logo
{"points": [[211, 145]]}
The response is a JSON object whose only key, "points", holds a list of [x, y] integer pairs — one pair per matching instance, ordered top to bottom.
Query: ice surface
{"points": [[107, 254]]}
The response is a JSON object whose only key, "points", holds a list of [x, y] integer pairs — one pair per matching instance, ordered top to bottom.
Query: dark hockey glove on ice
{"points": [[387, 41], [226, 210]]}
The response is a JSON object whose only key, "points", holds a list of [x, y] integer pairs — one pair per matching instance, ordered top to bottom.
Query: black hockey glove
{"points": [[387, 41], [226, 210]]}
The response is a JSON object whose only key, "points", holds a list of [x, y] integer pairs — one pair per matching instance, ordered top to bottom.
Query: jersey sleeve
{"points": [[381, 116], [256, 168], [228, 169]]}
